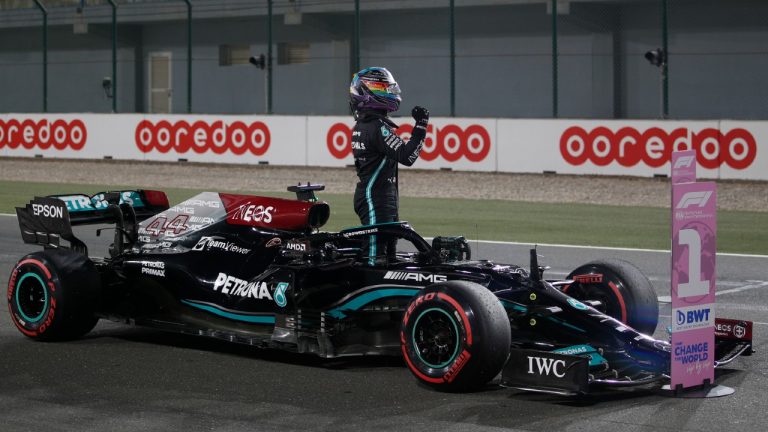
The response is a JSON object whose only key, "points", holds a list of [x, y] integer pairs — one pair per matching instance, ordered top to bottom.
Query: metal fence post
{"points": [[356, 42], [45, 53], [114, 55], [189, 55], [269, 57], [554, 59], [453, 60], [665, 63]]}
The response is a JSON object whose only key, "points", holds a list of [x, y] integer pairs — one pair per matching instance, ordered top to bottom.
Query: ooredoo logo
{"points": [[43, 134], [201, 137], [339, 140], [450, 142], [654, 146]]}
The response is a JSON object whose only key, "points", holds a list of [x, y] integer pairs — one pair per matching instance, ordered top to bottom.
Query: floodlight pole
{"points": [[45, 53]]}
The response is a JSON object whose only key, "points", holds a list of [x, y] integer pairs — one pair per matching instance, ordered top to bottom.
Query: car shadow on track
{"points": [[177, 340], [200, 343], [608, 396], [599, 397]]}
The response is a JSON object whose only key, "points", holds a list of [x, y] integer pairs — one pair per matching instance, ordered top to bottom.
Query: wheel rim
{"points": [[31, 297], [610, 305], [435, 338]]}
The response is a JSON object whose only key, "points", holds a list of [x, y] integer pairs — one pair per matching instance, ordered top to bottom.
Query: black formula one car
{"points": [[258, 271]]}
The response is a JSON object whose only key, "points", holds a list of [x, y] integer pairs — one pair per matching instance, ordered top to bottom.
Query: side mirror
{"points": [[535, 271]]}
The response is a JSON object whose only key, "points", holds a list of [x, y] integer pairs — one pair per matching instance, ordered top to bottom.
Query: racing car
{"points": [[258, 270]]}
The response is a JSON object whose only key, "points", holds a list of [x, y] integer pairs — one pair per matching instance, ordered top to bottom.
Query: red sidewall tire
{"points": [[31, 276], [67, 285], [626, 292], [455, 336]]}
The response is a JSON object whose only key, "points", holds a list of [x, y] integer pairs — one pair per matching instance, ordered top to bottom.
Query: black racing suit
{"points": [[378, 150]]}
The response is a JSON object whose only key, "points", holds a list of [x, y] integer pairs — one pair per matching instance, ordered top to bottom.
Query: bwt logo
{"points": [[43, 134], [201, 137], [450, 142], [654, 146], [694, 198], [693, 316]]}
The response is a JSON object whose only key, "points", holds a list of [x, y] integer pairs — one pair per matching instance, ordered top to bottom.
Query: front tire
{"points": [[624, 291], [53, 295], [455, 336]]}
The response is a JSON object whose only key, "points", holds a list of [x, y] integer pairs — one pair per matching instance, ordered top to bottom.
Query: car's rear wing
{"points": [[85, 210], [47, 220]]}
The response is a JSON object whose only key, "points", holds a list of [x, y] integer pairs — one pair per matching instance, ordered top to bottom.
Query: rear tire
{"points": [[625, 292], [53, 295], [455, 336]]}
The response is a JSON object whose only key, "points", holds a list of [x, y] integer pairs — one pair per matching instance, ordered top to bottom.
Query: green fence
{"points": [[516, 58]]}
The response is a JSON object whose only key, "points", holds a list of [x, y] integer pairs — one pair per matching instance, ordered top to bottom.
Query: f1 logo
{"points": [[684, 162], [694, 198]]}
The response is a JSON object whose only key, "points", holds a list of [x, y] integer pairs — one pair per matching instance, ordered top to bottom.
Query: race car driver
{"points": [[378, 150]]}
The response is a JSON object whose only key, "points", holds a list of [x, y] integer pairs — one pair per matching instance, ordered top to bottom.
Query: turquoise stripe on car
{"points": [[370, 296], [511, 305], [256, 319], [595, 359]]}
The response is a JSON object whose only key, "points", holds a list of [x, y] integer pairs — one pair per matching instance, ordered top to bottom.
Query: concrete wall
{"points": [[718, 62]]}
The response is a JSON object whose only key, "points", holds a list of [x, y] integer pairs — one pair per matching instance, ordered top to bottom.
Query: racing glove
{"points": [[421, 115]]}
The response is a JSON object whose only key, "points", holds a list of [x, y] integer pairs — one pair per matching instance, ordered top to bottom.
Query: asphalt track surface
{"points": [[121, 378]]}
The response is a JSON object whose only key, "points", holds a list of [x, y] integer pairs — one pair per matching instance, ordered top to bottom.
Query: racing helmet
{"points": [[374, 88]]}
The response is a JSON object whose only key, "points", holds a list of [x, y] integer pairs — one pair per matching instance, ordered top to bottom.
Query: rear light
{"points": [[156, 198]]}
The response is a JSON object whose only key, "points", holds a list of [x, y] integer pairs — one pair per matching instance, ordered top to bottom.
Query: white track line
{"points": [[568, 246], [603, 248], [753, 285]]}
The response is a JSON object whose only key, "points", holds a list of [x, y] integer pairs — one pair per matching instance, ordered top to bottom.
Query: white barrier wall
{"points": [[459, 143], [638, 148], [726, 149]]}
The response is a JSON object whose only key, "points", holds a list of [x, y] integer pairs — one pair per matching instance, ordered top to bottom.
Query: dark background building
{"points": [[504, 62]]}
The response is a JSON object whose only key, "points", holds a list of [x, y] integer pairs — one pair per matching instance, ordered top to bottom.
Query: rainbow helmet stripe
{"points": [[374, 88]]}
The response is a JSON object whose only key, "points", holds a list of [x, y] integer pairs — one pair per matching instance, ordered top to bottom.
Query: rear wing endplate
{"points": [[47, 220]]}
